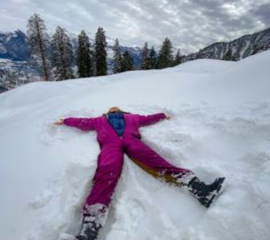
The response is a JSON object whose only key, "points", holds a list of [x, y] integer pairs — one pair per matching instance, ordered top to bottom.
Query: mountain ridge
{"points": [[259, 41], [236, 49], [15, 54]]}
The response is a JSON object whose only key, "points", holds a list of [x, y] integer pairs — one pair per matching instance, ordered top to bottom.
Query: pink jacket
{"points": [[106, 133]]}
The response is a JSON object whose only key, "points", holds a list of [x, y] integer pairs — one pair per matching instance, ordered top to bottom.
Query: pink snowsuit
{"points": [[110, 159]]}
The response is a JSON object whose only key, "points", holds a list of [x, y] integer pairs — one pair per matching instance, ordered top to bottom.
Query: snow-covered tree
{"points": [[39, 42], [100, 52], [62, 55], [117, 58], [153, 58], [165, 58], [178, 58], [84, 59], [146, 60], [127, 62], [10, 79]]}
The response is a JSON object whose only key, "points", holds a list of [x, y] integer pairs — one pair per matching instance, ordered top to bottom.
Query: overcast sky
{"points": [[190, 24]]}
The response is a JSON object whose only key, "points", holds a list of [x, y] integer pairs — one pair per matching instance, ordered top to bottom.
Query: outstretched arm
{"points": [[151, 119], [85, 124]]}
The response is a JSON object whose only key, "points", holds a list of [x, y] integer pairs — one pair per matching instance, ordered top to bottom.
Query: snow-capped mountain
{"points": [[14, 46], [235, 50], [15, 52], [15, 66]]}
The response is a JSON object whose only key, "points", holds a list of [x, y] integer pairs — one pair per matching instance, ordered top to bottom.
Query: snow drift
{"points": [[220, 126]]}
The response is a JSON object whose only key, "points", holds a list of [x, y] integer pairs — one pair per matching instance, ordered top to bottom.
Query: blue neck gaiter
{"points": [[117, 121]]}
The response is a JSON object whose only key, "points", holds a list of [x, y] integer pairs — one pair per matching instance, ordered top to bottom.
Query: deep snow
{"points": [[220, 126]]}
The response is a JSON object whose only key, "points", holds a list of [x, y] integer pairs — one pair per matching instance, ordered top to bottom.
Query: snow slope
{"points": [[220, 126]]}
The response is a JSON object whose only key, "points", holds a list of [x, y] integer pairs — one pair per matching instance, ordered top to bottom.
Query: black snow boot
{"points": [[203, 192], [89, 230], [89, 235]]}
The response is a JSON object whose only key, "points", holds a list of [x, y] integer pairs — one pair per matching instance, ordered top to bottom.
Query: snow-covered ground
{"points": [[220, 126]]}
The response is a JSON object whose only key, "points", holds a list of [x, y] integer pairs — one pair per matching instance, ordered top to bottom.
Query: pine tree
{"points": [[39, 42], [100, 52], [62, 55], [117, 58], [153, 58], [165, 58], [178, 58], [146, 60], [84, 61], [127, 62]]}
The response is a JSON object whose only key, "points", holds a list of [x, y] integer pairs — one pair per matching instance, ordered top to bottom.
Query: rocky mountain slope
{"points": [[235, 50]]}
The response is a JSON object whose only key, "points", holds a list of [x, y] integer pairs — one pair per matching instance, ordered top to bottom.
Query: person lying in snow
{"points": [[118, 133]]}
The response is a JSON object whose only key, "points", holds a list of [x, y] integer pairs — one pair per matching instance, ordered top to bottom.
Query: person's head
{"points": [[114, 110]]}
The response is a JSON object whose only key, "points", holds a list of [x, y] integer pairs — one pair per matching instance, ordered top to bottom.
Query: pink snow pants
{"points": [[110, 159]]}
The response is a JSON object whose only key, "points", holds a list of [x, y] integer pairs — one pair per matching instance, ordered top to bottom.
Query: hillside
{"points": [[220, 126]]}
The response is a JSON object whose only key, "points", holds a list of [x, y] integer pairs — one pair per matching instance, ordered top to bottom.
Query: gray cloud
{"points": [[262, 13], [190, 24]]}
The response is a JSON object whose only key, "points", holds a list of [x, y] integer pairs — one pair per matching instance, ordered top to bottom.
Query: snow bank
{"points": [[220, 126]]}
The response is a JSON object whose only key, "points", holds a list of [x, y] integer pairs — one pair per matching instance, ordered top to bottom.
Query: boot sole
{"points": [[216, 193]]}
